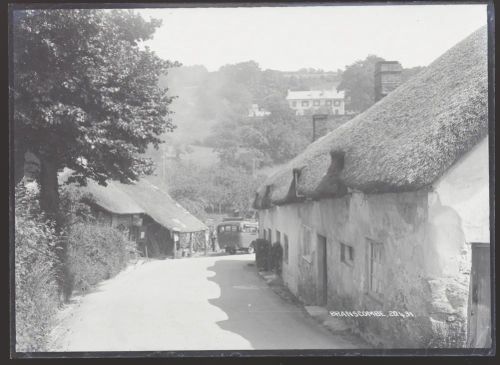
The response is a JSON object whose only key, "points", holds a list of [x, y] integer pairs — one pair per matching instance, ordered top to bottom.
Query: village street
{"points": [[206, 303]]}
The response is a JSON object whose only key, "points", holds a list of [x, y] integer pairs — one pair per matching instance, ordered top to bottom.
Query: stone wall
{"points": [[458, 216]]}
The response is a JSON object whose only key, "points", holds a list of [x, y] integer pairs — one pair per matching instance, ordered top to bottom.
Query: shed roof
{"points": [[405, 141], [141, 197], [113, 198], [160, 206]]}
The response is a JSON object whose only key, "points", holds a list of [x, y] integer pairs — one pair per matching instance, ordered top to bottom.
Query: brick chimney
{"points": [[387, 78]]}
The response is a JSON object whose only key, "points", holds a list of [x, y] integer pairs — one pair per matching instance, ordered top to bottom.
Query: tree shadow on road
{"points": [[259, 315]]}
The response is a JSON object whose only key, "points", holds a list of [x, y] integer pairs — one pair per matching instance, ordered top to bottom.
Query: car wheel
{"points": [[250, 249]]}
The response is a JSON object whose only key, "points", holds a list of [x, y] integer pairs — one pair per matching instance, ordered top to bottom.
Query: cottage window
{"points": [[316, 102], [305, 103], [234, 228], [285, 250], [346, 253], [375, 268]]}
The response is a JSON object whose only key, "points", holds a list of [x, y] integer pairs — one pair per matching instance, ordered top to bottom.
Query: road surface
{"points": [[208, 303]]}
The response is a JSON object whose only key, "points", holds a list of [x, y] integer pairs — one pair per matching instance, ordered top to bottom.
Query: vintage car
{"points": [[237, 235]]}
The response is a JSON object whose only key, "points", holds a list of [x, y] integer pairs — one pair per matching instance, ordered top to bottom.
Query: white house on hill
{"points": [[324, 101], [257, 111]]}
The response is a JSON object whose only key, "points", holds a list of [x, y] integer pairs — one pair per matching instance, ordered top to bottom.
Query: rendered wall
{"points": [[411, 274]]}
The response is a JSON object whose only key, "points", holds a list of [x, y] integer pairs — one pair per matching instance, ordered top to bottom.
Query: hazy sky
{"points": [[327, 37]]}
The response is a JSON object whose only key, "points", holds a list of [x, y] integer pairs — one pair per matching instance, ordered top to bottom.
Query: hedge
{"points": [[96, 252], [268, 257], [36, 290]]}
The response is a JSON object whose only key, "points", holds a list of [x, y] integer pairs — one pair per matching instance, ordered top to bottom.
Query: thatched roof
{"points": [[404, 142], [141, 197], [112, 198], [160, 206]]}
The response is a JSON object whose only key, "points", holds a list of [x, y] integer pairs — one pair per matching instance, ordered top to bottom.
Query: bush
{"points": [[96, 252], [262, 254], [36, 290]]}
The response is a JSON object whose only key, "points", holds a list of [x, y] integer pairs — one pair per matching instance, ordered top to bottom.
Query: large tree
{"points": [[358, 81], [86, 95], [255, 142]]}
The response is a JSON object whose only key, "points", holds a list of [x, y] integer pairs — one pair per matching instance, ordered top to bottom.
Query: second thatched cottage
{"points": [[383, 213], [148, 215]]}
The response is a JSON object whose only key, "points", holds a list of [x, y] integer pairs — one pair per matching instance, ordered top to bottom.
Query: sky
{"points": [[325, 37]]}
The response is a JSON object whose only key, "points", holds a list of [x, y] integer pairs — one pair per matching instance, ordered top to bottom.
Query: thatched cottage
{"points": [[382, 213], [150, 217]]}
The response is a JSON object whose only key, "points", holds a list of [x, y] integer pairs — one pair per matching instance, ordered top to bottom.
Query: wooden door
{"points": [[322, 277], [479, 316]]}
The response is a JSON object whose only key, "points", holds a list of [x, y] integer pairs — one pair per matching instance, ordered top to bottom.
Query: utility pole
{"points": [[163, 164]]}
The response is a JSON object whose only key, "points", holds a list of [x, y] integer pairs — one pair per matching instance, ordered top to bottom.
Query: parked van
{"points": [[237, 235]]}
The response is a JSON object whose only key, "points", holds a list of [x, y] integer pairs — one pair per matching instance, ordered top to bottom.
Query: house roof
{"points": [[315, 94], [404, 142], [141, 197], [112, 198], [160, 206]]}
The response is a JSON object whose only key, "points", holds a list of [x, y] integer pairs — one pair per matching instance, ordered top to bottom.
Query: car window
{"points": [[249, 229]]}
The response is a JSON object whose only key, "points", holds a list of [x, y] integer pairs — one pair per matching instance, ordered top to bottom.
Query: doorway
{"points": [[322, 276], [479, 316]]}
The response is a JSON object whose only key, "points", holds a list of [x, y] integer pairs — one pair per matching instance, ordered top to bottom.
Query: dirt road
{"points": [[209, 303]]}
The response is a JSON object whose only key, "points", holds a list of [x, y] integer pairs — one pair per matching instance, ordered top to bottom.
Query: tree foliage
{"points": [[358, 81], [86, 92], [272, 139], [202, 189]]}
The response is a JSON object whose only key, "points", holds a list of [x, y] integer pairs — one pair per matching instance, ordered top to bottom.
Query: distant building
{"points": [[387, 78], [324, 101], [257, 111]]}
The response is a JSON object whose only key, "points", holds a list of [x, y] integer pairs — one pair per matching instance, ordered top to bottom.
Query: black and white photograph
{"points": [[257, 179]]}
